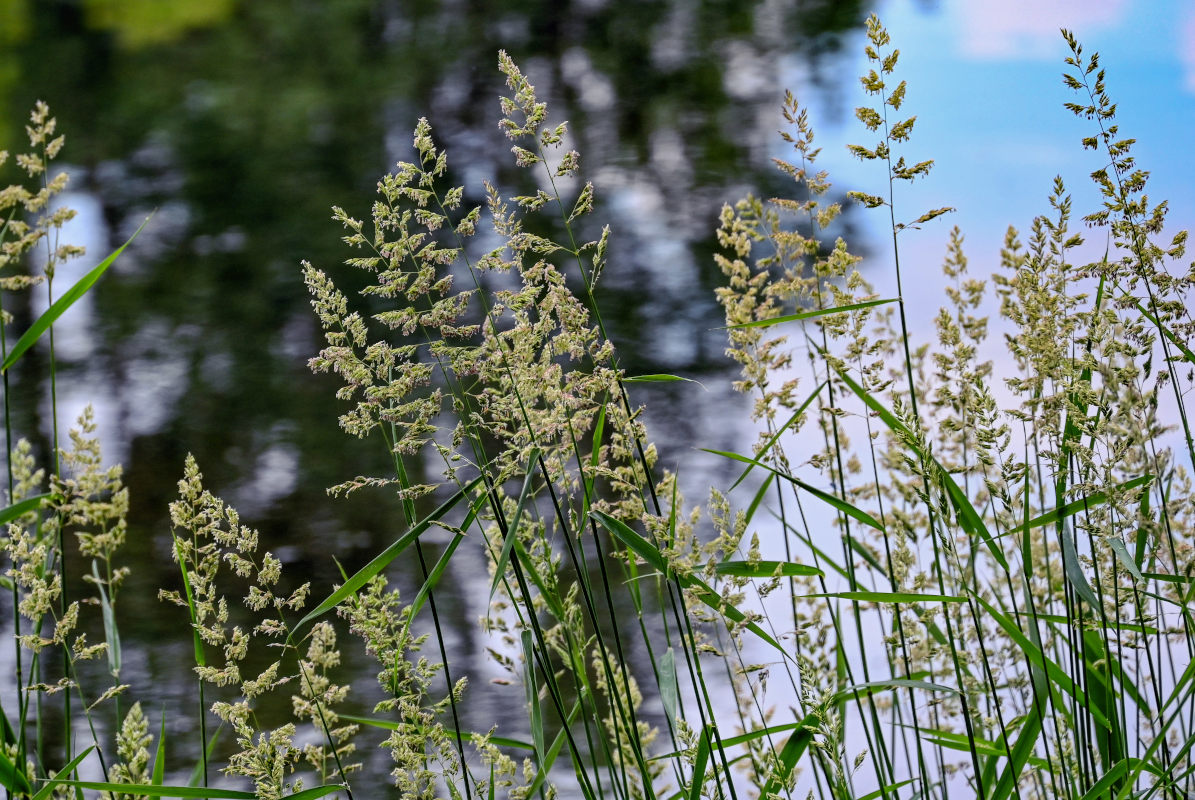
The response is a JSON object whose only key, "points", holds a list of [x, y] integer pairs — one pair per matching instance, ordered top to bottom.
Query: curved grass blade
{"points": [[60, 306], [818, 312], [1169, 334], [659, 378], [776, 436], [595, 452], [758, 498], [836, 502], [1075, 506], [24, 507], [968, 517], [652, 555], [382, 559], [1125, 559], [766, 569], [1074, 570], [434, 576], [892, 597], [552, 599], [1135, 627], [111, 632], [196, 641], [1035, 656], [531, 687], [871, 687], [669, 688], [7, 734], [740, 739], [963, 743], [797, 744], [1026, 745], [549, 757], [702, 758], [1145, 763], [159, 770], [197, 773], [11, 778], [1102, 787], [47, 790], [171, 791], [884, 791], [209, 792], [314, 792]]}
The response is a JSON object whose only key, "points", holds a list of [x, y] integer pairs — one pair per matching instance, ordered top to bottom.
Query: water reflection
{"points": [[243, 124]]}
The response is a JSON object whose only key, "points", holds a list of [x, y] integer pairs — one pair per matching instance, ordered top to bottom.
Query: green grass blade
{"points": [[60, 305], [818, 312], [1169, 334], [658, 378], [771, 442], [757, 499], [1090, 501], [836, 502], [24, 507], [968, 517], [512, 529], [652, 555], [1125, 558], [383, 559], [766, 569], [438, 570], [1074, 570], [434, 577], [893, 597], [551, 598], [1135, 627], [111, 632], [196, 641], [1035, 656], [531, 687], [871, 687], [669, 688], [742, 738], [962, 743], [1026, 744], [549, 757], [702, 758], [159, 770], [197, 771], [47, 788], [886, 790], [170, 791], [314, 792]]}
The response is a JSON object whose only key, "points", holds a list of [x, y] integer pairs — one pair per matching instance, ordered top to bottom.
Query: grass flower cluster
{"points": [[932, 577]]}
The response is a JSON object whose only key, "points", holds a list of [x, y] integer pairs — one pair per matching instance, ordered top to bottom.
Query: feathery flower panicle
{"points": [[876, 83], [19, 238], [391, 381], [89, 501], [208, 534], [132, 746]]}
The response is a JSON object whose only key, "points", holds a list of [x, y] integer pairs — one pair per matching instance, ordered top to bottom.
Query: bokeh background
{"points": [[243, 121]]}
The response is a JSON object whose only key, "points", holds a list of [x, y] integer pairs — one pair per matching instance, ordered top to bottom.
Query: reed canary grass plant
{"points": [[931, 578]]}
